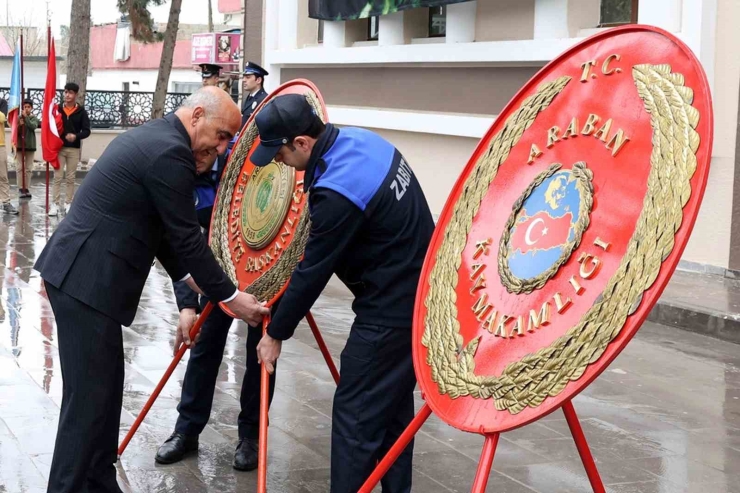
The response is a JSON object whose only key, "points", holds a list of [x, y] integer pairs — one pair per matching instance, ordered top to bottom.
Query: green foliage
{"points": [[142, 24]]}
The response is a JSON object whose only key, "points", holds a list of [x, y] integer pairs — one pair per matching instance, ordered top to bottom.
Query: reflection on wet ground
{"points": [[665, 417]]}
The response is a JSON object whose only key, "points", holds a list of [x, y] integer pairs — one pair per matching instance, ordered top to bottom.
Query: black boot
{"points": [[175, 447], [245, 457]]}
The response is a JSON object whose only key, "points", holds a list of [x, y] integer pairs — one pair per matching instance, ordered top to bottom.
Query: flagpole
{"points": [[48, 54], [23, 132]]}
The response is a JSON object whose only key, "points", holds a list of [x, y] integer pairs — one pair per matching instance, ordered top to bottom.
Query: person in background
{"points": [[210, 74], [253, 91], [76, 128], [25, 148], [6, 206]]}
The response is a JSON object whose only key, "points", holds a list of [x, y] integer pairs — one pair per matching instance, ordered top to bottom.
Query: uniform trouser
{"points": [[69, 157], [19, 165], [4, 185], [91, 358], [202, 372], [373, 405]]}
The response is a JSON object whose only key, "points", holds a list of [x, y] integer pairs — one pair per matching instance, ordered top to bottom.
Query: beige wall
{"points": [[582, 14], [254, 19], [497, 20], [308, 29], [474, 90], [437, 161], [711, 240]]}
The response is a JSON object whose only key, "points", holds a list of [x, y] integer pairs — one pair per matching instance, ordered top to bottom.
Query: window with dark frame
{"points": [[618, 12], [437, 22], [373, 24]]}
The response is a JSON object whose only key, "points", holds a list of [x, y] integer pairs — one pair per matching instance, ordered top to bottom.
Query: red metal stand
{"points": [[322, 347], [180, 352], [264, 390], [264, 405], [582, 446], [396, 449], [489, 450], [485, 463]]}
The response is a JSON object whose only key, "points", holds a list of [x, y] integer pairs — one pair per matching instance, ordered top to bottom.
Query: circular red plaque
{"points": [[260, 219], [563, 229]]}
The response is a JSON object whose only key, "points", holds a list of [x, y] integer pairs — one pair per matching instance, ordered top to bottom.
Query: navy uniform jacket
{"points": [[251, 103], [135, 204], [370, 224]]}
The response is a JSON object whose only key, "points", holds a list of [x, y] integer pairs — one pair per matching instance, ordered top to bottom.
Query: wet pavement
{"points": [[665, 416]]}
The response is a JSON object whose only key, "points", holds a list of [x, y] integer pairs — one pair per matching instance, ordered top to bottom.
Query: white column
{"points": [[661, 13], [551, 19], [288, 25], [460, 26], [390, 30], [698, 30], [335, 34], [272, 42]]}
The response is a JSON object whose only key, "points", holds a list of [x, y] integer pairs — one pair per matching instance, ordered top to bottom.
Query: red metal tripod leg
{"points": [[193, 333], [322, 347], [264, 405], [582, 446], [396, 449], [485, 463]]}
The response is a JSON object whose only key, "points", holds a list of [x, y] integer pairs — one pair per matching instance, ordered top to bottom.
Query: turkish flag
{"points": [[51, 120], [541, 232]]}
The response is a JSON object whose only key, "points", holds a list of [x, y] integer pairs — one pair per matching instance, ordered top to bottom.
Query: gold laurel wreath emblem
{"points": [[511, 282], [268, 285], [529, 381]]}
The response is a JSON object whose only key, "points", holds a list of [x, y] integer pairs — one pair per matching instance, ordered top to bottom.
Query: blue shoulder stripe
{"points": [[356, 165]]}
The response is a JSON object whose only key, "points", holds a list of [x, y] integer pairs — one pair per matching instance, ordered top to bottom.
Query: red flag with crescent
{"points": [[51, 121], [541, 232]]}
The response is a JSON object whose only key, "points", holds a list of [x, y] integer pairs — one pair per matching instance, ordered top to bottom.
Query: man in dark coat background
{"points": [[134, 205]]}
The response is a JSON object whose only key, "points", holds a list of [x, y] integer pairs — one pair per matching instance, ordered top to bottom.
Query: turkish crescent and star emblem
{"points": [[563, 229]]}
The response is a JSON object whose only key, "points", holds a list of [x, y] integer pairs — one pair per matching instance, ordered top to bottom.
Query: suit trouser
{"points": [[91, 358], [202, 372], [373, 405]]}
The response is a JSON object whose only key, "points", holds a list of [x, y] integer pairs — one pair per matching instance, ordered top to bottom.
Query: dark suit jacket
{"points": [[251, 103], [134, 205]]}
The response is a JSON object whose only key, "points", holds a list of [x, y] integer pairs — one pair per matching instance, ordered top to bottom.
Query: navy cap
{"points": [[253, 68], [209, 70], [279, 122]]}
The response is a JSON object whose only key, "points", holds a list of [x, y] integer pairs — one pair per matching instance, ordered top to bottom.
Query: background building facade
{"points": [[432, 80]]}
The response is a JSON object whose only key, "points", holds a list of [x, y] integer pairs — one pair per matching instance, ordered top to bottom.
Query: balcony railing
{"points": [[110, 109]]}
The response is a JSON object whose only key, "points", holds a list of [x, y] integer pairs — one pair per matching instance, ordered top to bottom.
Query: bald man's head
{"points": [[211, 119]]}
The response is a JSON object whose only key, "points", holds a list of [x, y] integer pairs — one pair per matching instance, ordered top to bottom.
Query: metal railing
{"points": [[110, 109]]}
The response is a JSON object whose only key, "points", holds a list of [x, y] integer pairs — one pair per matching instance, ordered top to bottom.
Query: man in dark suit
{"points": [[253, 90], [134, 205]]}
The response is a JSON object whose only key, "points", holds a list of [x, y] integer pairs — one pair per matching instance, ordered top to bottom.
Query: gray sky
{"points": [[33, 12]]}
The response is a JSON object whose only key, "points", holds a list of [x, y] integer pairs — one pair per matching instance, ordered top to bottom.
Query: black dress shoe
{"points": [[175, 447], [245, 457]]}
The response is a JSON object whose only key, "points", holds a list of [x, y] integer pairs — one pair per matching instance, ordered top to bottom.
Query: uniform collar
{"points": [[174, 120], [323, 144]]}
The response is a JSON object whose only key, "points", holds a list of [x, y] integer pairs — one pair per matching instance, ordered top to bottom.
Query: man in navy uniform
{"points": [[210, 73], [253, 90], [371, 226], [199, 384]]}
